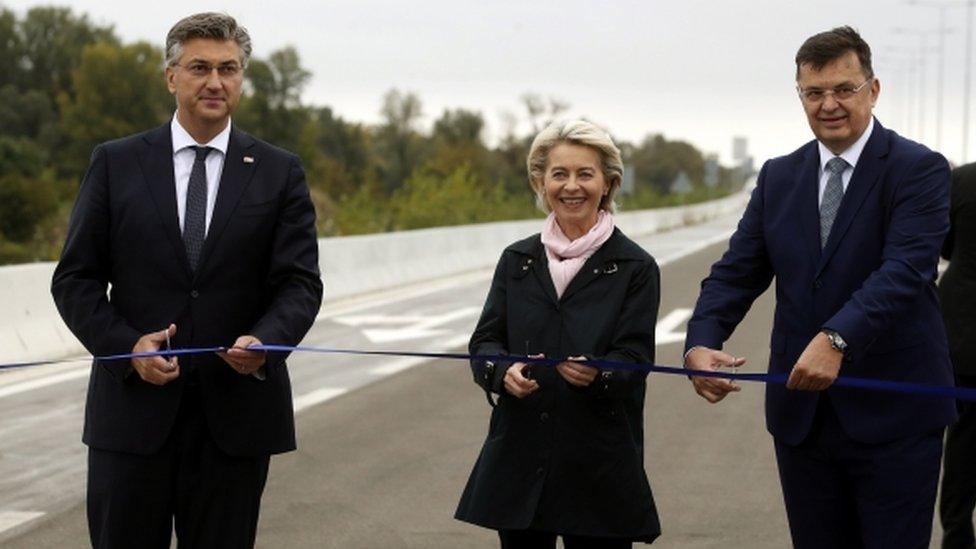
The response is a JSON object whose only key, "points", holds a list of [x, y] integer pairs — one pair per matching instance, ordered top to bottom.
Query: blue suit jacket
{"points": [[874, 283]]}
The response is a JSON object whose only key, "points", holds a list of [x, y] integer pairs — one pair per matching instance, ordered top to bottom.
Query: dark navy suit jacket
{"points": [[258, 274], [874, 283]]}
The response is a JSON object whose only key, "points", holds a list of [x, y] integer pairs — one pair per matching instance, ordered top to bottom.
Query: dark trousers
{"points": [[841, 493], [211, 498], [958, 498], [533, 539]]}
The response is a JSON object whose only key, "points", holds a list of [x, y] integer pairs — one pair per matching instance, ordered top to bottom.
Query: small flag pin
{"points": [[249, 160]]}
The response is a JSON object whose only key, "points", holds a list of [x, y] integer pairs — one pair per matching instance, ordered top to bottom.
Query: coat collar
{"points": [[156, 159], [239, 167], [617, 247], [603, 262]]}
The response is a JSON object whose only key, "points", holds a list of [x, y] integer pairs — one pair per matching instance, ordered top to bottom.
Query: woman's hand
{"points": [[575, 373], [517, 384]]}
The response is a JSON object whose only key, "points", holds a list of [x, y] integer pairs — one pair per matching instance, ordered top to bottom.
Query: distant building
{"points": [[740, 149], [743, 168]]}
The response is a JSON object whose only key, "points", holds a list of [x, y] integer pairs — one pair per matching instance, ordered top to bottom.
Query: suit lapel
{"points": [[156, 161], [866, 174], [233, 181], [809, 200]]}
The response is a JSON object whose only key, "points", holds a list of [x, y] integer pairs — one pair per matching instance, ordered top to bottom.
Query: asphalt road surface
{"points": [[386, 444]]}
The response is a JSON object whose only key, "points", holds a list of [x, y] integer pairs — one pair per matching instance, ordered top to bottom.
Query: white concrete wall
{"points": [[31, 329]]}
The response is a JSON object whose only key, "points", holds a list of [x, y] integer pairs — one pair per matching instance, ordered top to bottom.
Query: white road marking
{"points": [[694, 248], [419, 289], [412, 326], [664, 331], [398, 365], [43, 382], [317, 396], [13, 519]]}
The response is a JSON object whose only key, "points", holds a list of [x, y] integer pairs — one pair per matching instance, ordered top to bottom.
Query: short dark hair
{"points": [[215, 26], [822, 48]]}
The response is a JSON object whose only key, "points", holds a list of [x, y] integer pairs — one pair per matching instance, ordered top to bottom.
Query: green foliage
{"points": [[52, 43], [67, 84], [136, 100], [657, 162], [428, 200], [23, 203], [365, 211]]}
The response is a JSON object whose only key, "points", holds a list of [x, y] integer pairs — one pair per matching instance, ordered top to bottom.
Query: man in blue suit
{"points": [[850, 226]]}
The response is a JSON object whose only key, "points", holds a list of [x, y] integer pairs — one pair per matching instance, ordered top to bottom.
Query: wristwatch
{"points": [[836, 341]]}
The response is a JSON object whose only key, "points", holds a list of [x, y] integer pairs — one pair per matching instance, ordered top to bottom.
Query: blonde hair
{"points": [[577, 132]]}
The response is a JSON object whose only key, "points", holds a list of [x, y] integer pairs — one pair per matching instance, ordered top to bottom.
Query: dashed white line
{"points": [[43, 382], [317, 396], [13, 519]]}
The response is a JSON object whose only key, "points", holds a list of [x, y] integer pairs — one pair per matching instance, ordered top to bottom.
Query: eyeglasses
{"points": [[203, 70], [840, 93]]}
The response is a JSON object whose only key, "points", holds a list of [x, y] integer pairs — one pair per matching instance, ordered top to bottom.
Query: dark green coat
{"points": [[566, 459]]}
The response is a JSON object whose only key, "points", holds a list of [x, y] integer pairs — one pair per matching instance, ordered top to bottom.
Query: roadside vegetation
{"points": [[67, 84]]}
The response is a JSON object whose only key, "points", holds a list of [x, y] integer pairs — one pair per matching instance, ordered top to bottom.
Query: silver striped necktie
{"points": [[833, 193]]}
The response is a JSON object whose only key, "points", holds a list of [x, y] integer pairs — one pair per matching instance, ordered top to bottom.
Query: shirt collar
{"points": [[182, 138], [851, 154]]}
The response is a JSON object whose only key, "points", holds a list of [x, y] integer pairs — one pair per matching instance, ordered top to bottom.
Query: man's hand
{"points": [[242, 360], [817, 367], [155, 369], [575, 373], [516, 383], [712, 389]]}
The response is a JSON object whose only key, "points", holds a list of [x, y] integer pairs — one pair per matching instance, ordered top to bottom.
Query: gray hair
{"points": [[215, 26], [577, 132]]}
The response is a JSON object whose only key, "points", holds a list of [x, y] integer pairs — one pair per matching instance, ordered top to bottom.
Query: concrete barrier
{"points": [[31, 328]]}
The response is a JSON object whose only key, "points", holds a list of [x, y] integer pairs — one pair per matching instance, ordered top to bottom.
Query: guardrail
{"points": [[31, 329]]}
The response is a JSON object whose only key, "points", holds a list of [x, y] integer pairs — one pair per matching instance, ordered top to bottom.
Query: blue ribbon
{"points": [[939, 391]]}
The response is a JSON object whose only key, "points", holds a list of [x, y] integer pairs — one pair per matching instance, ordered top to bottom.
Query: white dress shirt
{"points": [[851, 155], [183, 157]]}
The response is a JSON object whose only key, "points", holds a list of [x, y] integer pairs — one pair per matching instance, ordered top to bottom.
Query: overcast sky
{"points": [[697, 70]]}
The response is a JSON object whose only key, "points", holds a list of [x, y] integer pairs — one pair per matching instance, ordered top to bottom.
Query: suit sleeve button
{"points": [[194, 294], [544, 417]]}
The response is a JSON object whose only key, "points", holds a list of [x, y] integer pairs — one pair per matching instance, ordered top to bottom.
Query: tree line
{"points": [[67, 84]]}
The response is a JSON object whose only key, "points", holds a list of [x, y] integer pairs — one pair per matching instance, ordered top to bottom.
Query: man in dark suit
{"points": [[850, 226], [206, 237], [957, 292]]}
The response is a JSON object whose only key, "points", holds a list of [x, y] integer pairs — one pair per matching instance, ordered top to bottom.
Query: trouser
{"points": [[842, 493], [958, 497], [212, 499]]}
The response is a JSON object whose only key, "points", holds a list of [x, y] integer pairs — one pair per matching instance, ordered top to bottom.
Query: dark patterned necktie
{"points": [[833, 193], [195, 213]]}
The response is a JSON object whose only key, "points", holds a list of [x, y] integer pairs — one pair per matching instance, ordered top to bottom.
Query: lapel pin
{"points": [[249, 160]]}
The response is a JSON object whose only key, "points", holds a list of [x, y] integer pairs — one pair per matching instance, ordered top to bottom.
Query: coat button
{"points": [[596, 271], [817, 284], [194, 294], [544, 417], [539, 471]]}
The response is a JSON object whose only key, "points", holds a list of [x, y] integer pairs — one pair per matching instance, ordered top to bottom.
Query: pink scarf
{"points": [[566, 257]]}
